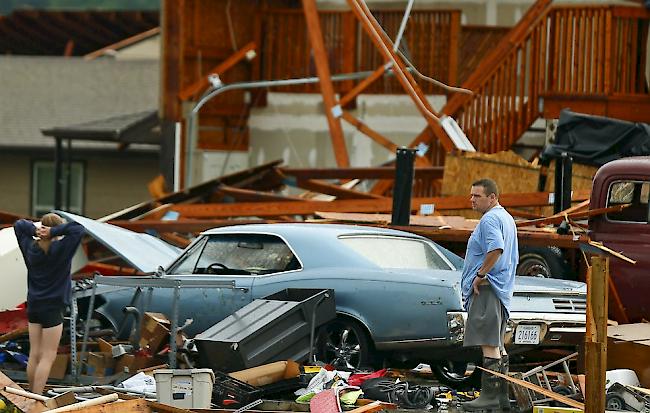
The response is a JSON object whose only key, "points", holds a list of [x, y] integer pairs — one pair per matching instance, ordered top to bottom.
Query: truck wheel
{"points": [[544, 262]]}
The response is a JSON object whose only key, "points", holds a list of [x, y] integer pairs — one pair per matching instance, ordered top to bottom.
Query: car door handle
{"points": [[243, 289]]}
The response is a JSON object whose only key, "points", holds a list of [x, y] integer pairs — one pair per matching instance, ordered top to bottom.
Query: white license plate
{"points": [[527, 334]]}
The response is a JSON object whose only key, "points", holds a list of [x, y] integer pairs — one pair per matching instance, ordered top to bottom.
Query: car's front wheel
{"points": [[344, 344], [456, 374]]}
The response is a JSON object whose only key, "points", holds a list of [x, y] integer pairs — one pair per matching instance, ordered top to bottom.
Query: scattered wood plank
{"points": [[379, 172], [335, 190], [258, 209], [558, 218], [19, 332], [558, 397], [23, 403], [104, 404]]}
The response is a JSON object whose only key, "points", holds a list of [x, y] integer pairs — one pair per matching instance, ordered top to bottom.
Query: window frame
{"points": [[35, 163], [608, 204], [205, 237], [432, 245]]}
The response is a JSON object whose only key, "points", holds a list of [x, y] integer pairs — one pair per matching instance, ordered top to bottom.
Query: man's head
{"points": [[484, 195], [51, 220]]}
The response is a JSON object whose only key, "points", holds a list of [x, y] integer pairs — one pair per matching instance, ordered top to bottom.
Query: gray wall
{"points": [[111, 183]]}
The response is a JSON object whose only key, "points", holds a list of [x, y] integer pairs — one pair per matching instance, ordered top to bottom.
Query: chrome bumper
{"points": [[555, 328]]}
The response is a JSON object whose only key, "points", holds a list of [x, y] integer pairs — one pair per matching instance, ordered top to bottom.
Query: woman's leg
{"points": [[35, 343], [49, 345]]}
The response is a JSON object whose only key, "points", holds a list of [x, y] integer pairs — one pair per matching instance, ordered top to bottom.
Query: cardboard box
{"points": [[154, 331], [628, 347], [130, 363], [100, 364], [60, 366], [268, 373]]}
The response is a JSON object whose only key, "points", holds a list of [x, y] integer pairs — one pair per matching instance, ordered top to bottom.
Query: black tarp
{"points": [[596, 140]]}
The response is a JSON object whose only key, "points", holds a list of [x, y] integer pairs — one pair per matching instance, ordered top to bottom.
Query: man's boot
{"points": [[505, 390], [489, 399]]}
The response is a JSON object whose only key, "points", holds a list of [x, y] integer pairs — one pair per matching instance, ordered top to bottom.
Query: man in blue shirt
{"points": [[487, 285]]}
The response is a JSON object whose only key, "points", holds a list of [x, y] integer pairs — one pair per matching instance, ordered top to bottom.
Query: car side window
{"points": [[634, 193], [397, 252], [253, 254], [187, 263]]}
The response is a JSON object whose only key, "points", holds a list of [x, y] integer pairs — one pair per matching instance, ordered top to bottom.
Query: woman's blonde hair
{"points": [[51, 220]]}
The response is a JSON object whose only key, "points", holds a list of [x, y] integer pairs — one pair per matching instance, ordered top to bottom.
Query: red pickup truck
{"points": [[625, 181]]}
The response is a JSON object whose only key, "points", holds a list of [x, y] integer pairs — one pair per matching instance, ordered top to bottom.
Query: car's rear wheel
{"points": [[344, 344], [456, 374]]}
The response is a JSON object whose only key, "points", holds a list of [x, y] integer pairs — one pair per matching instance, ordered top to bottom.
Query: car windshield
{"points": [[397, 252], [237, 254]]}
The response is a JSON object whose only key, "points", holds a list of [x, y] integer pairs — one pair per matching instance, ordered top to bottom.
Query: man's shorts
{"points": [[46, 318], [486, 320]]}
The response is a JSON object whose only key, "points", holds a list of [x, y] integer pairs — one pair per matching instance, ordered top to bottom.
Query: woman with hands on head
{"points": [[47, 251]]}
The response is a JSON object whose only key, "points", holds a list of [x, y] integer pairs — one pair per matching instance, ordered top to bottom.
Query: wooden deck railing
{"points": [[431, 41], [572, 51]]}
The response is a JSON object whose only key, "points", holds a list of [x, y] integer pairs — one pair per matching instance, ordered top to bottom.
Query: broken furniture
{"points": [[280, 326]]}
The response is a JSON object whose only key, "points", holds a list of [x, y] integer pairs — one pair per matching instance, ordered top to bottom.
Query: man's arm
{"points": [[490, 259]]}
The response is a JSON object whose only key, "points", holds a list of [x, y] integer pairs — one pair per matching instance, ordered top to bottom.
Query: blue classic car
{"points": [[397, 294]]}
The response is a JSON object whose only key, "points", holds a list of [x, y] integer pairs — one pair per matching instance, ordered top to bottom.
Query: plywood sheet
{"points": [[512, 173]]}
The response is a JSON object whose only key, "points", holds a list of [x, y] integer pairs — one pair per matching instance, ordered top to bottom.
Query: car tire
{"points": [[544, 262], [344, 344], [456, 374], [615, 402]]}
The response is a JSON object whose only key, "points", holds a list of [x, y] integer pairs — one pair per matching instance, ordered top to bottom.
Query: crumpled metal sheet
{"points": [[143, 251]]}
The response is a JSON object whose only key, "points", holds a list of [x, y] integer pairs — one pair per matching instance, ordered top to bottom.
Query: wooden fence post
{"points": [[596, 337]]}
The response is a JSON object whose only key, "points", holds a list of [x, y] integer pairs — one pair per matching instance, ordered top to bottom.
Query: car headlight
{"points": [[456, 325]]}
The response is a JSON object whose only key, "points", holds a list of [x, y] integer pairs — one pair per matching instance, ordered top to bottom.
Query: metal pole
{"points": [[402, 26], [563, 174], [403, 186], [89, 313], [174, 327], [73, 337]]}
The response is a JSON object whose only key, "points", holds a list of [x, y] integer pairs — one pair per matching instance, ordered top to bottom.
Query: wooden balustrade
{"points": [[572, 51]]}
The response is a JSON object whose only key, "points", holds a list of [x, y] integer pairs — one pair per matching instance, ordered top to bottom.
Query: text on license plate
{"points": [[527, 334]]}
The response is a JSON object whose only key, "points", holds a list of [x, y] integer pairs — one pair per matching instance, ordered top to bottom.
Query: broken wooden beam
{"points": [[203, 83], [379, 172], [335, 190], [263, 209], [548, 393]]}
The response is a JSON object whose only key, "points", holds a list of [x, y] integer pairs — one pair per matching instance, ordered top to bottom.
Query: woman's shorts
{"points": [[46, 318], [486, 320]]}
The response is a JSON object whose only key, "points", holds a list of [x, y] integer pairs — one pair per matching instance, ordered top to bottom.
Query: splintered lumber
{"points": [[203, 83], [327, 90], [378, 172], [263, 177], [335, 190], [262, 209], [557, 218], [444, 221], [602, 247], [19, 332], [548, 393], [102, 400], [25, 404]]}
